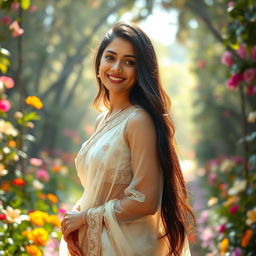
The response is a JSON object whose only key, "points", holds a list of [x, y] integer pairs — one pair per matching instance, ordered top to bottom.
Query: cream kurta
{"points": [[122, 190]]}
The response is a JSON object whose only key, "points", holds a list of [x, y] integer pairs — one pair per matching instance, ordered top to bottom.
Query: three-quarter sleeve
{"points": [[143, 195]]}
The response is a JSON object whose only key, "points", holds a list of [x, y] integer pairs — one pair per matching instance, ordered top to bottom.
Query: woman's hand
{"points": [[72, 221]]}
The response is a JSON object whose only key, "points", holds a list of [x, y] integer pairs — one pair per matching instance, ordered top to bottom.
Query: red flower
{"points": [[6, 20], [233, 81], [251, 90], [5, 105], [18, 182], [233, 209], [2, 216], [222, 228]]}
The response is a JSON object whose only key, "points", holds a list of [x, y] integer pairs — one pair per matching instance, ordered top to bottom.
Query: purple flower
{"points": [[237, 252]]}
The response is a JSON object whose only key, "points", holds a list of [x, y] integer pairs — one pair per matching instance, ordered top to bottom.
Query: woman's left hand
{"points": [[72, 221]]}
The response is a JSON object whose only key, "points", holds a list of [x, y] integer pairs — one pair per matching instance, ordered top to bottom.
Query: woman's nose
{"points": [[116, 67]]}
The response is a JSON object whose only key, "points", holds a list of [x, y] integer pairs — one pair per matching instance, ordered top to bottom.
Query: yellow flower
{"points": [[34, 102], [7, 128], [52, 198], [231, 200], [212, 201], [251, 216], [38, 217], [53, 219], [28, 234], [40, 236], [246, 237], [224, 246], [33, 250]]}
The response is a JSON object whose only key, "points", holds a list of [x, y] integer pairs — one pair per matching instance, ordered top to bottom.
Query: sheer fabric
{"points": [[119, 170]]}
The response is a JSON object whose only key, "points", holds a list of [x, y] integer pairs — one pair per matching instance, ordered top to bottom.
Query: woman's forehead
{"points": [[120, 46]]}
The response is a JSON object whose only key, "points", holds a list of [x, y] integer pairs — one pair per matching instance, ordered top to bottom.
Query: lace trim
{"points": [[105, 127], [121, 177], [94, 219]]}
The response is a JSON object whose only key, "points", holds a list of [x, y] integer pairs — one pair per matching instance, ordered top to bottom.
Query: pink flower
{"points": [[231, 4], [15, 6], [32, 8], [6, 20], [16, 30], [242, 52], [254, 52], [227, 59], [201, 64], [249, 75], [234, 80], [7, 81], [251, 90], [5, 105], [238, 159], [35, 162], [42, 175], [212, 178], [233, 209], [62, 211], [222, 228], [237, 252]]}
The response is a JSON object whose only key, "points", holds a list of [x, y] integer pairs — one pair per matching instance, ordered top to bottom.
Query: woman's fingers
{"points": [[72, 246]]}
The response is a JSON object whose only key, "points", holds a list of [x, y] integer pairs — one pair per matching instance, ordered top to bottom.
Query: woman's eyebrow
{"points": [[127, 55]]}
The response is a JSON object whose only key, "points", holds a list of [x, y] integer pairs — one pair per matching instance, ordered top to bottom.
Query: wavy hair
{"points": [[176, 213]]}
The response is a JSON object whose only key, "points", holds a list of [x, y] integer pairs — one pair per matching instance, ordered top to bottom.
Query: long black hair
{"points": [[149, 94]]}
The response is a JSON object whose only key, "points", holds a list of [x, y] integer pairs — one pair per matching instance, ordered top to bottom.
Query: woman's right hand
{"points": [[72, 244]]}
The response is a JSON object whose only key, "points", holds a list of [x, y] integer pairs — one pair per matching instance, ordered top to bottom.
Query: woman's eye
{"points": [[109, 57], [130, 62]]}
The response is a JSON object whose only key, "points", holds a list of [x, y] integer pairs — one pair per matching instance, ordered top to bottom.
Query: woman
{"points": [[134, 201]]}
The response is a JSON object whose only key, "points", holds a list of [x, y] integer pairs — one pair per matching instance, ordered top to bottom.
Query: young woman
{"points": [[134, 201]]}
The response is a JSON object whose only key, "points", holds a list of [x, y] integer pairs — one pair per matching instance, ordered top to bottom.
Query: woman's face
{"points": [[117, 70]]}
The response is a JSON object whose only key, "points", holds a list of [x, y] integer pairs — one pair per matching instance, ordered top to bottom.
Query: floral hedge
{"points": [[227, 226]]}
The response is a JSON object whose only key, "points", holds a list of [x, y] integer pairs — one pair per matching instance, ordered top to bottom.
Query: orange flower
{"points": [[34, 102], [12, 143], [56, 168], [18, 182], [6, 186], [42, 196], [52, 198], [38, 217], [53, 219], [28, 234], [40, 236], [246, 237], [224, 246], [33, 250]]}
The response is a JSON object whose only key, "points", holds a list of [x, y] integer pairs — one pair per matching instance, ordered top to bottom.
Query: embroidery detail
{"points": [[121, 177], [94, 226]]}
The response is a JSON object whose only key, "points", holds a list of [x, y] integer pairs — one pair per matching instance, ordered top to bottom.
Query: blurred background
{"points": [[207, 56]]}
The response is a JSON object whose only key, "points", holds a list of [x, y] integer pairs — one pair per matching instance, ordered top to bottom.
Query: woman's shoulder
{"points": [[140, 122]]}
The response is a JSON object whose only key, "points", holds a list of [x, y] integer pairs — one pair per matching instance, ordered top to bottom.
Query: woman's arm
{"points": [[143, 195]]}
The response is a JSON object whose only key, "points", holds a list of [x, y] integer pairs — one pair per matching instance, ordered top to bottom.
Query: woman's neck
{"points": [[118, 104]]}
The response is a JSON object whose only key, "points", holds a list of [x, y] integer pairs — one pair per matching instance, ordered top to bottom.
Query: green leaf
{"points": [[25, 4], [31, 116]]}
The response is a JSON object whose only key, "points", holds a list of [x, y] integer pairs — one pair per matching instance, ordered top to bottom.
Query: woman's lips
{"points": [[115, 79]]}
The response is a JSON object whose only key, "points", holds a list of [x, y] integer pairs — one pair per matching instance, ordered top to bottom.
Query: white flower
{"points": [[251, 117], [7, 128], [227, 165], [3, 171], [38, 185], [238, 187], [13, 215]]}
